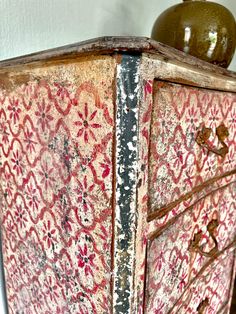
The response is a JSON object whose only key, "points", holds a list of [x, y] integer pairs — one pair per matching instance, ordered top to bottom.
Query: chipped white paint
{"points": [[126, 182]]}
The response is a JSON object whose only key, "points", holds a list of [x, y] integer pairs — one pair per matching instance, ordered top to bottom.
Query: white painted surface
{"points": [[32, 25], [27, 26]]}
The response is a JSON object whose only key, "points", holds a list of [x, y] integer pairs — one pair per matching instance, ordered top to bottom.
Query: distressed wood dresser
{"points": [[118, 180]]}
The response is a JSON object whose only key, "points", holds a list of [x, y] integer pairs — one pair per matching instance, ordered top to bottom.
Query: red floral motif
{"points": [[62, 91], [15, 110], [214, 116], [193, 117], [44, 118], [232, 119], [176, 120], [86, 124], [4, 132], [30, 144], [178, 158], [17, 161], [230, 161], [106, 166], [210, 167], [47, 176], [190, 177], [9, 187], [84, 193], [32, 197], [224, 204], [62, 208], [20, 216], [205, 217], [231, 219], [66, 223], [10, 228], [49, 234], [184, 237], [105, 238], [35, 254], [85, 260], [159, 261], [24, 264], [14, 272], [216, 277], [66, 279], [183, 281], [63, 282], [51, 289], [105, 304]]}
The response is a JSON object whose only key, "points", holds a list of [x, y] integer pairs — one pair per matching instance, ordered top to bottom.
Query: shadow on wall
{"points": [[123, 18]]}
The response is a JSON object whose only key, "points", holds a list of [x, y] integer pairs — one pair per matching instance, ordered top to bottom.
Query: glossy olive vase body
{"points": [[200, 28]]}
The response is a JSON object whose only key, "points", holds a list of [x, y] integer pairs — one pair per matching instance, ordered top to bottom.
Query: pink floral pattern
{"points": [[14, 109], [179, 113], [44, 116], [86, 124], [57, 156], [17, 163], [56, 174], [47, 176], [20, 215], [49, 236], [85, 260], [172, 265], [166, 267], [206, 288]]}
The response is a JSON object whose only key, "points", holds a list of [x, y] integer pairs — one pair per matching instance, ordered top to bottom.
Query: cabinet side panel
{"points": [[56, 138]]}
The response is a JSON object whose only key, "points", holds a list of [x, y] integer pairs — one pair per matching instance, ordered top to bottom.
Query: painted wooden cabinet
{"points": [[118, 180]]}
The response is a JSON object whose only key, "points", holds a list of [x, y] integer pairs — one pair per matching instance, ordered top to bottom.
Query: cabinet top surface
{"points": [[109, 45]]}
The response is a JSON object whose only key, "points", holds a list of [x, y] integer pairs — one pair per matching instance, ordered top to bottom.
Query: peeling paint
{"points": [[126, 170]]}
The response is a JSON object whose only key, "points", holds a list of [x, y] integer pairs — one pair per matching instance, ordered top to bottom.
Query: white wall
{"points": [[32, 25]]}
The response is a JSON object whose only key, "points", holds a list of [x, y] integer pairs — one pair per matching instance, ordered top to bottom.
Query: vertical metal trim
{"points": [[126, 181]]}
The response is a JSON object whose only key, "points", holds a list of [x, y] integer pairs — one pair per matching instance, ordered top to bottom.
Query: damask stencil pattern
{"points": [[56, 134], [178, 164], [212, 204], [179, 252], [211, 291]]}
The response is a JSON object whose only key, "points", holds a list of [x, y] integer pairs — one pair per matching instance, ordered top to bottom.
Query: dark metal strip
{"points": [[126, 181]]}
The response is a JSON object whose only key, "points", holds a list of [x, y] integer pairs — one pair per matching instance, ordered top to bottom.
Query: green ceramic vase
{"points": [[204, 29]]}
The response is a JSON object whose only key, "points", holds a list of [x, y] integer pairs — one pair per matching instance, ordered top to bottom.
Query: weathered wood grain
{"points": [[104, 45]]}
